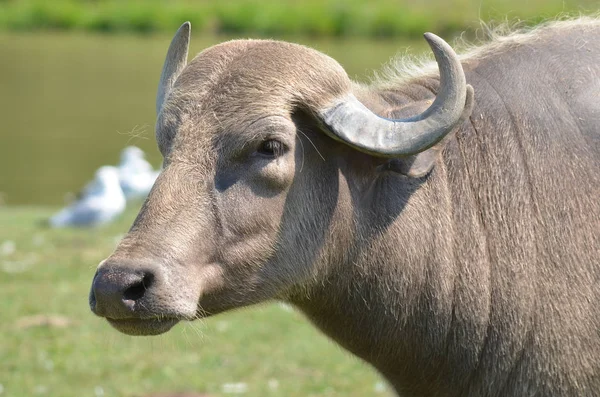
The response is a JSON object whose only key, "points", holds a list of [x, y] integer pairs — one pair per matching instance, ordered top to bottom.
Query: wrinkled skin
{"points": [[469, 269]]}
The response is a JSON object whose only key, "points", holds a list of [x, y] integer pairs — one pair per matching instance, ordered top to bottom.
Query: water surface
{"points": [[71, 102]]}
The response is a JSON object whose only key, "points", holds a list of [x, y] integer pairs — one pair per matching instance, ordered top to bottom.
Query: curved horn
{"points": [[174, 63], [350, 121]]}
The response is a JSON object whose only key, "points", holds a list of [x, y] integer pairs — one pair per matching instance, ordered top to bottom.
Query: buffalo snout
{"points": [[120, 291]]}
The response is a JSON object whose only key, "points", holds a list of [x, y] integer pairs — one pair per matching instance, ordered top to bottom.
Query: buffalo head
{"points": [[264, 143]]}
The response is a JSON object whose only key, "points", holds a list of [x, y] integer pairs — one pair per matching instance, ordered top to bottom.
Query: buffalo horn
{"points": [[174, 63], [350, 121]]}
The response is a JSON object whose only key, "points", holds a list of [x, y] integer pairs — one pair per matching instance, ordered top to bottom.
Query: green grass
{"points": [[381, 18], [273, 350]]}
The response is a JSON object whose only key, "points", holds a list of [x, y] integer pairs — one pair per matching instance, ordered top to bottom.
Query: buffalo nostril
{"points": [[118, 290], [137, 290], [92, 294], [92, 300]]}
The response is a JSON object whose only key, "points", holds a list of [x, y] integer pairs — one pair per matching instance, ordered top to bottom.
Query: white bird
{"points": [[136, 175], [101, 201]]}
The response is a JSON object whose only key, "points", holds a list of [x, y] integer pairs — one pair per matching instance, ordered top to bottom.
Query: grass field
{"points": [[377, 18], [53, 346]]}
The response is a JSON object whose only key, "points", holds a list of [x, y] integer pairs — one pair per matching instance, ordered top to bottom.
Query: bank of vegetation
{"points": [[335, 18]]}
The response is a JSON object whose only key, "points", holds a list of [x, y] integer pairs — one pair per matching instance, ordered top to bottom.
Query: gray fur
{"points": [[470, 269]]}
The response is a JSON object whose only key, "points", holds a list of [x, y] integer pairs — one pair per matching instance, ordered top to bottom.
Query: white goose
{"points": [[136, 175], [101, 201]]}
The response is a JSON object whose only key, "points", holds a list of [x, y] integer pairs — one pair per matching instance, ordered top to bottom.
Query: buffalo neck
{"points": [[397, 276]]}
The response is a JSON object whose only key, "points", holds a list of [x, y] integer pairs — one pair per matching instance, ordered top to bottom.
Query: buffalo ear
{"points": [[174, 63], [420, 164], [415, 166]]}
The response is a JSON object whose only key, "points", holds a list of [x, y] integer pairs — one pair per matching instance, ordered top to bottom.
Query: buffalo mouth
{"points": [[143, 326]]}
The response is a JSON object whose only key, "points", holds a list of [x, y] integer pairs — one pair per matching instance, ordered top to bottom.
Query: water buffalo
{"points": [[443, 224]]}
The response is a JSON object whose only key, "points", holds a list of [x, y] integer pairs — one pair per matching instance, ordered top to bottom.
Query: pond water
{"points": [[71, 102]]}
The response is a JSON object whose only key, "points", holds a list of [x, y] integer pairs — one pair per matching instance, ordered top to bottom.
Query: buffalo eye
{"points": [[271, 148]]}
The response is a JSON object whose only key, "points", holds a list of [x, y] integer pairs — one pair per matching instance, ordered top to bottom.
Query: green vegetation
{"points": [[382, 18], [52, 344]]}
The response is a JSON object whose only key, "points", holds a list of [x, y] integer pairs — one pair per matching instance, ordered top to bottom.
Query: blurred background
{"points": [[77, 85]]}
